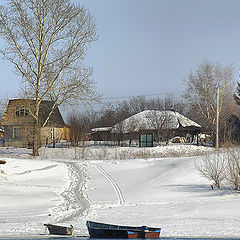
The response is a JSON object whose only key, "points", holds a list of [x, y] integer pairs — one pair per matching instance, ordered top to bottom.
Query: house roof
{"points": [[45, 108], [55, 118], [148, 119], [101, 129]]}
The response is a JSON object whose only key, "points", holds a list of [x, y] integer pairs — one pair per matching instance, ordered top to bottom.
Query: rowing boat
{"points": [[103, 230]]}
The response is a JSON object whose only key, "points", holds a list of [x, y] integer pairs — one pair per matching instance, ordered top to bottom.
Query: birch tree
{"points": [[46, 41], [201, 93]]}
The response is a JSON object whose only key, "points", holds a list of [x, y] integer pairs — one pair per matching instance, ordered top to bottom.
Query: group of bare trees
{"points": [[202, 99], [200, 104], [111, 114], [80, 126], [221, 168]]}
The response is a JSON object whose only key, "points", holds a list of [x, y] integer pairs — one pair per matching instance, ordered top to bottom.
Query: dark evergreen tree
{"points": [[237, 98]]}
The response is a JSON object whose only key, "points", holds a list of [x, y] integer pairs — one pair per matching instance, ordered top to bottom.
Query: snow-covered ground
{"points": [[162, 192]]}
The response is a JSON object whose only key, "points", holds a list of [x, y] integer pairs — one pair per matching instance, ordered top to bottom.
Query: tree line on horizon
{"points": [[198, 102]]}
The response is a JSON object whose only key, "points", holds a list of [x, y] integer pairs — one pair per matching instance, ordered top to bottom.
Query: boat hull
{"points": [[59, 230], [102, 230], [105, 233], [144, 234]]}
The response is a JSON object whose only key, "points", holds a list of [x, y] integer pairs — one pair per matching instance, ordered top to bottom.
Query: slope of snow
{"points": [[28, 191], [164, 192]]}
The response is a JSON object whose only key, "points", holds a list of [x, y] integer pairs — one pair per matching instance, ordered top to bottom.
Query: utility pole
{"points": [[217, 119]]}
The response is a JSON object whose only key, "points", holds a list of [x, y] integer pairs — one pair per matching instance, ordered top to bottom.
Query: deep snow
{"points": [[164, 192]]}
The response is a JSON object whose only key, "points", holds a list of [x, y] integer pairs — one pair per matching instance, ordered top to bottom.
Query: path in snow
{"points": [[114, 184], [75, 203]]}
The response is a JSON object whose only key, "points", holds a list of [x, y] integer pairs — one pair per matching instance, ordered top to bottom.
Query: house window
{"points": [[22, 111], [16, 132], [146, 140]]}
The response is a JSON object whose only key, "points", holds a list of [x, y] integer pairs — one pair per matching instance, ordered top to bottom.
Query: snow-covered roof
{"points": [[153, 119], [101, 129]]}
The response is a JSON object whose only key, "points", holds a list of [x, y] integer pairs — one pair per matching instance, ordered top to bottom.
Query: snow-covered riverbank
{"points": [[165, 192]]}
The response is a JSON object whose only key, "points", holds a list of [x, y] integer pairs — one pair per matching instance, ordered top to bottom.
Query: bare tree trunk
{"points": [[36, 139], [83, 148], [75, 151]]}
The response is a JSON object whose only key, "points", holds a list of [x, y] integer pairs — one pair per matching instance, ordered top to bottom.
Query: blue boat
{"points": [[103, 230]]}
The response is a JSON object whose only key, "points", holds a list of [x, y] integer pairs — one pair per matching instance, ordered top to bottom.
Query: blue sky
{"points": [[148, 47]]}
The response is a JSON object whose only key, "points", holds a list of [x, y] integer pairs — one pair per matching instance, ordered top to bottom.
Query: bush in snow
{"points": [[213, 168], [233, 168]]}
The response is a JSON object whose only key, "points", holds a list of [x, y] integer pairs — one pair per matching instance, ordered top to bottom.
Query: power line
{"points": [[142, 95], [127, 97], [117, 100]]}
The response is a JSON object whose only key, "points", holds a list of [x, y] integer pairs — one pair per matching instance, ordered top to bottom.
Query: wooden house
{"points": [[18, 123], [66, 133]]}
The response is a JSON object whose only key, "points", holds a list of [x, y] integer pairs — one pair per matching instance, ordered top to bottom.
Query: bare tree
{"points": [[46, 41], [201, 93], [3, 106], [111, 114], [107, 115], [159, 122], [79, 127], [131, 128], [119, 131]]}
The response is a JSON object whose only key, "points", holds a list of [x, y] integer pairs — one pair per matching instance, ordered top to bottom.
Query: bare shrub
{"points": [[79, 125], [102, 154], [143, 154], [213, 168], [233, 168]]}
